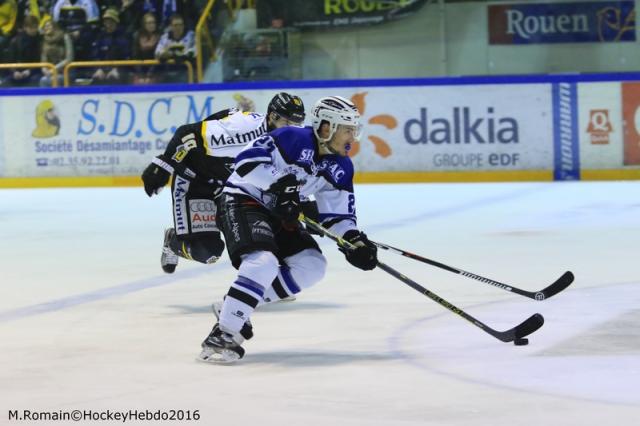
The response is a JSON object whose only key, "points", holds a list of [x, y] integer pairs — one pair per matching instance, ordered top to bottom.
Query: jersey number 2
{"points": [[352, 204]]}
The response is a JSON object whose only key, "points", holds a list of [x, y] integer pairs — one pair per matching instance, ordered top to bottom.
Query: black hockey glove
{"points": [[154, 178], [287, 203], [310, 210], [365, 253]]}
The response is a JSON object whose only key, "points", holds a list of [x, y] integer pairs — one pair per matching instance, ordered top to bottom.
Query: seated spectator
{"points": [[165, 9], [131, 12], [72, 15], [8, 16], [80, 19], [146, 39], [177, 43], [111, 44], [144, 47], [25, 48], [57, 48]]}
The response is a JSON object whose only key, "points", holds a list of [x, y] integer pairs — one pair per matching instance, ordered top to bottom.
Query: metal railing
{"points": [[202, 32], [123, 63], [54, 72]]}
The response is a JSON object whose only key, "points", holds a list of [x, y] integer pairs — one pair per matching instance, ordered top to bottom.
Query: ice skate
{"points": [[168, 259], [246, 332], [220, 348]]}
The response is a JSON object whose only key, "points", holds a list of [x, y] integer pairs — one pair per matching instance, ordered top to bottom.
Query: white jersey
{"points": [[228, 136]]}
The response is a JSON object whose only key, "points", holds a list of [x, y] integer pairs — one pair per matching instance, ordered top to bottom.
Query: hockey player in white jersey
{"points": [[200, 158], [259, 210]]}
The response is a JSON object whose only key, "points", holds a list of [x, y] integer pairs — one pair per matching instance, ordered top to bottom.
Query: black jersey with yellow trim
{"points": [[208, 148]]}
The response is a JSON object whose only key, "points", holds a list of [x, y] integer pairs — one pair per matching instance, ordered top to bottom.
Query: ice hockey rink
{"points": [[88, 320]]}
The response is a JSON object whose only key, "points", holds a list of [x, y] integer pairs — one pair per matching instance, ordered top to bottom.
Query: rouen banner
{"points": [[319, 14], [581, 22]]}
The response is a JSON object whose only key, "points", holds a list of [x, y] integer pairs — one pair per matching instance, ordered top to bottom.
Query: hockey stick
{"points": [[556, 287], [527, 327]]}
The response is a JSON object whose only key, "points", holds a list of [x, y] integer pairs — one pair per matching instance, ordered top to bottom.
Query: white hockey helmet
{"points": [[336, 111]]}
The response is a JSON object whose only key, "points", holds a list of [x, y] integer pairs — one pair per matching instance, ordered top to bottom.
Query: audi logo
{"points": [[202, 206]]}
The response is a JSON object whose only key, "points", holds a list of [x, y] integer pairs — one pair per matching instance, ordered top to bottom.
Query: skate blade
{"points": [[225, 356]]}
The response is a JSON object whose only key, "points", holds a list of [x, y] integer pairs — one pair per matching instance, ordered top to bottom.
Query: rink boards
{"points": [[446, 129]]}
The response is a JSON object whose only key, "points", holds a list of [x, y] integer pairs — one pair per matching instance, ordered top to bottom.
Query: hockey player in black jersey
{"points": [[199, 159], [259, 210]]}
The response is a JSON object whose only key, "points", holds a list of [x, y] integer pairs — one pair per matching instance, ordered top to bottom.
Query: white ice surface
{"points": [[88, 320]]}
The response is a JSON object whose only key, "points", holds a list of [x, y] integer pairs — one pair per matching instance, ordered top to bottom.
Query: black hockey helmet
{"points": [[289, 107]]}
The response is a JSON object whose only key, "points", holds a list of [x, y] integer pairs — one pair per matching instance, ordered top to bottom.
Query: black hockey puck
{"points": [[521, 342]]}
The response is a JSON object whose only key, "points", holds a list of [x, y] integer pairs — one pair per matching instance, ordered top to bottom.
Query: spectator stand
{"points": [[123, 63]]}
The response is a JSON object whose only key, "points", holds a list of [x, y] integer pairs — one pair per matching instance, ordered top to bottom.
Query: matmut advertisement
{"points": [[406, 129]]}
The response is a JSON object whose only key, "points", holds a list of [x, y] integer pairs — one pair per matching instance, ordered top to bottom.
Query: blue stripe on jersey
{"points": [[288, 280], [250, 285]]}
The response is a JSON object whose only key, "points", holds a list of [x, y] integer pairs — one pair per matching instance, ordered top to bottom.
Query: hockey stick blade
{"points": [[560, 284], [527, 327], [523, 329]]}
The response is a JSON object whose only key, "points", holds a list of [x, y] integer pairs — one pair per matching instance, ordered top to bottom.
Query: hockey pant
{"points": [[194, 211], [273, 263], [262, 278]]}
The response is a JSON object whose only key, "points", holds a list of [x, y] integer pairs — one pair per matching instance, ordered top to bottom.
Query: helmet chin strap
{"points": [[270, 121], [324, 144], [326, 147]]}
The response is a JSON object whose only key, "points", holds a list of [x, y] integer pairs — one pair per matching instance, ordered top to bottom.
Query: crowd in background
{"points": [[61, 31]]}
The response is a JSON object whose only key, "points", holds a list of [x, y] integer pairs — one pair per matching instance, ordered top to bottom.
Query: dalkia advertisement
{"points": [[566, 22], [423, 128], [443, 128]]}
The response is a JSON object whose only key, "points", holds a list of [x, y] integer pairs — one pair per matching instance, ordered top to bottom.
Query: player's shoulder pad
{"points": [[221, 114], [245, 116], [256, 116], [186, 129], [293, 133], [292, 140], [295, 144]]}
